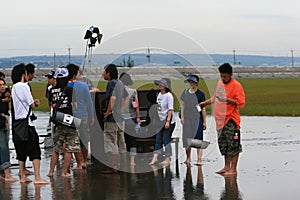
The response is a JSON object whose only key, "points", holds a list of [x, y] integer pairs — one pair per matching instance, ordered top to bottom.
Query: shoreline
{"points": [[178, 72]]}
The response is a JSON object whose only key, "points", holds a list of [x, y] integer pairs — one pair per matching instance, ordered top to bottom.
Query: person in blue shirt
{"points": [[83, 108]]}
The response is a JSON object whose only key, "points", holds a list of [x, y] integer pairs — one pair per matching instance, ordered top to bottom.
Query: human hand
{"points": [[37, 102], [106, 115], [182, 120], [167, 125]]}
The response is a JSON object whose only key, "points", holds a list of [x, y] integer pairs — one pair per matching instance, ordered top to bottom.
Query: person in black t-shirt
{"points": [[66, 139]]}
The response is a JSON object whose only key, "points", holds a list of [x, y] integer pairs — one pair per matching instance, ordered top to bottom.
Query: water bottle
{"points": [[137, 127], [236, 136]]}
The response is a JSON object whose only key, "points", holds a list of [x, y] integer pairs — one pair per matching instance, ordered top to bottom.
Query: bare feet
{"points": [[187, 161], [153, 162], [165, 163], [199, 163], [78, 168], [222, 171], [28, 172], [230, 173], [50, 174], [66, 175], [10, 179], [25, 180], [41, 182]]}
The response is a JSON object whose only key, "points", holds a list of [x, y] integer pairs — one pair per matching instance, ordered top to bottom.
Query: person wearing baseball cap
{"points": [[61, 73], [50, 84], [165, 101], [193, 118], [67, 139]]}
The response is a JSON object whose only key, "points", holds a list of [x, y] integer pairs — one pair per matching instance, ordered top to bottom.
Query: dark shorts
{"points": [[227, 144], [30, 148]]}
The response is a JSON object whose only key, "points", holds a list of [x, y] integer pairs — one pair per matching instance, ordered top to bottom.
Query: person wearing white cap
{"points": [[165, 103], [193, 118], [65, 138]]}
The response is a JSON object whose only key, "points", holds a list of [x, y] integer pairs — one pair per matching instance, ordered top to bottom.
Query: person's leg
{"points": [[84, 134], [167, 134], [72, 145], [111, 147], [158, 147], [84, 153], [34, 154], [188, 155], [199, 155], [4, 156], [78, 157], [53, 162], [67, 162], [227, 162], [233, 168], [37, 176], [8, 177], [23, 178]]}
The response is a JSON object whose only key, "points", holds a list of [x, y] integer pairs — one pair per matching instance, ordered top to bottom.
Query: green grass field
{"points": [[264, 97]]}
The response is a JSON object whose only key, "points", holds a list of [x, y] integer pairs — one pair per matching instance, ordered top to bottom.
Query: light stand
{"points": [[92, 35]]}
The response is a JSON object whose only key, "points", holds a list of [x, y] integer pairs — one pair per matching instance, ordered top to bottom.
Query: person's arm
{"points": [[7, 98], [208, 102], [111, 103], [90, 105], [137, 110], [170, 111], [182, 111], [204, 118]]}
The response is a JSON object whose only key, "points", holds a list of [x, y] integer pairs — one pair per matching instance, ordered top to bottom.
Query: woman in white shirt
{"points": [[165, 103]]}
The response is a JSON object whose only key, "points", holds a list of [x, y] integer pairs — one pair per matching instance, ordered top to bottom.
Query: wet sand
{"points": [[268, 169]]}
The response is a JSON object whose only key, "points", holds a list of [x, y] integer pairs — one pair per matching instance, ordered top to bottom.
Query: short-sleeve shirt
{"points": [[115, 88], [62, 98], [22, 99], [190, 101], [165, 103], [4, 107], [129, 111], [224, 111]]}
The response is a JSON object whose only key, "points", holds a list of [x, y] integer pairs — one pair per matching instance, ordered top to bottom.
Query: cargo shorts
{"points": [[69, 137], [229, 139]]}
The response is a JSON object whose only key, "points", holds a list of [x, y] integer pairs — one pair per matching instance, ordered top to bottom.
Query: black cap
{"points": [[50, 74]]}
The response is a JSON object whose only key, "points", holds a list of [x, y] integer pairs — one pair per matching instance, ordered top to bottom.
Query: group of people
{"points": [[69, 94]]}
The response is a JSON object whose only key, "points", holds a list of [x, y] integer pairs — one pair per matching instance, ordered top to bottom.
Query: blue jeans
{"points": [[163, 137], [4, 150]]}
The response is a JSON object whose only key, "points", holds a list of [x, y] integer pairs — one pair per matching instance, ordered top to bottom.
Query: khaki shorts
{"points": [[67, 135], [114, 137], [227, 145]]}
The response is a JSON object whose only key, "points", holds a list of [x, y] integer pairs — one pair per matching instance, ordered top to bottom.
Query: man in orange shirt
{"points": [[228, 98]]}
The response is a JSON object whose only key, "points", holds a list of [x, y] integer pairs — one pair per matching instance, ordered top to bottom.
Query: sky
{"points": [[260, 27]]}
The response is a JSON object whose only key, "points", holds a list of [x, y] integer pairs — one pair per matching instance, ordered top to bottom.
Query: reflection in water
{"points": [[163, 182], [5, 190], [231, 190], [191, 191]]}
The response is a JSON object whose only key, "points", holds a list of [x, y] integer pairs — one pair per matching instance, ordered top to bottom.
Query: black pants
{"points": [[30, 148]]}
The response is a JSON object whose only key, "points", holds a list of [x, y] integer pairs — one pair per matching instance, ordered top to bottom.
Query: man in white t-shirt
{"points": [[22, 103]]}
